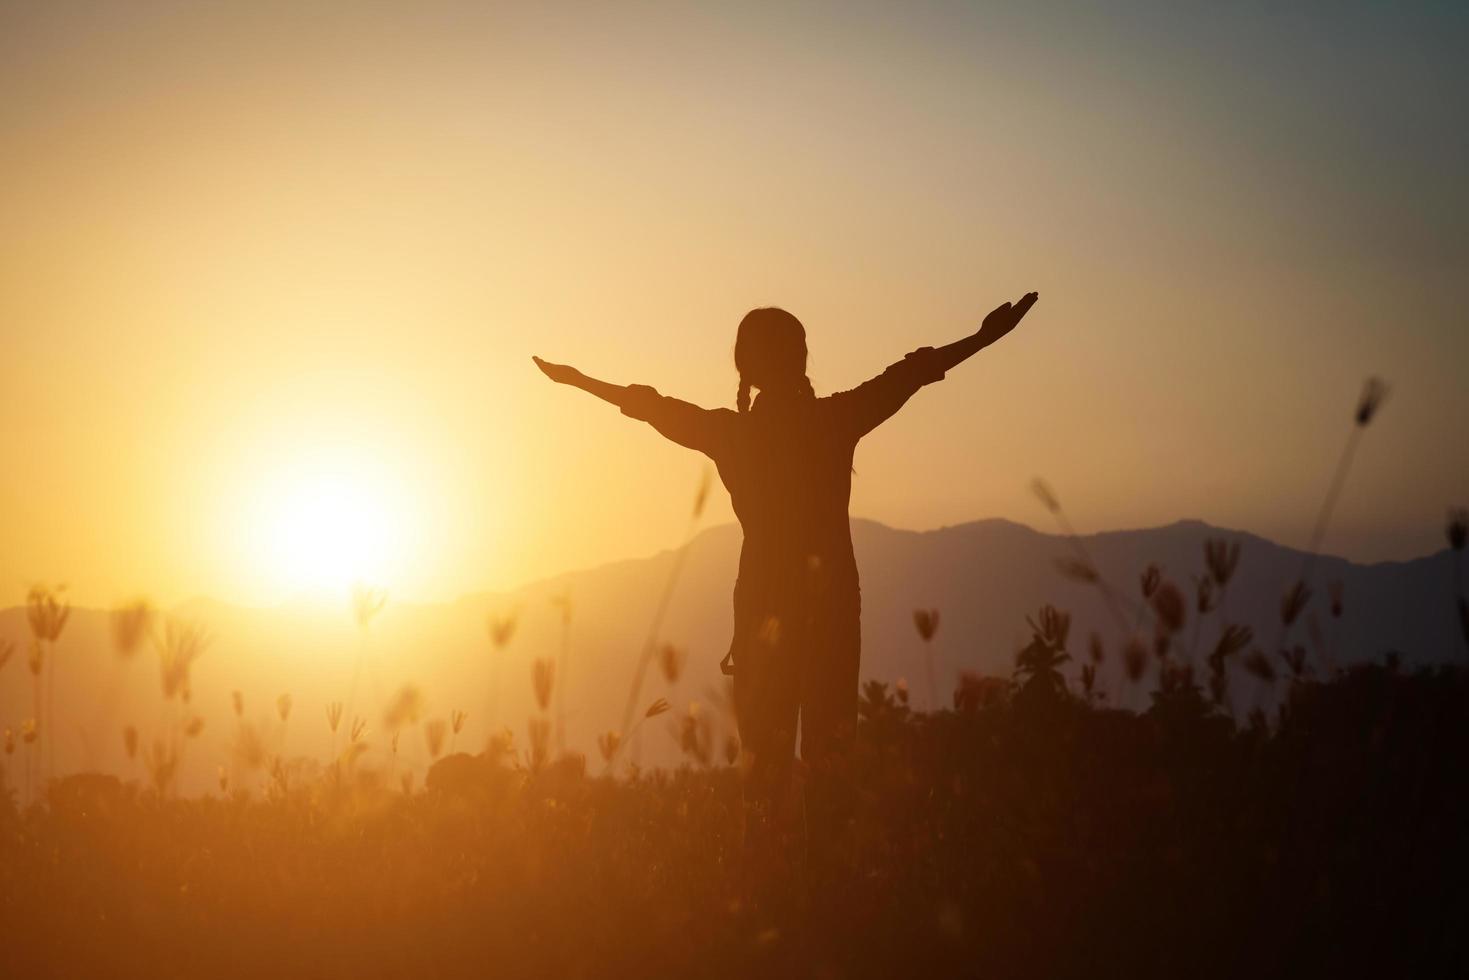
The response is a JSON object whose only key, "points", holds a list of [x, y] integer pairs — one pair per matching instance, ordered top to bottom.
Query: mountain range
{"points": [[983, 577]]}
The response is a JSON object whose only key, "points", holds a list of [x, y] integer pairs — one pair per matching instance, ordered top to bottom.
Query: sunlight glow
{"points": [[322, 526]]}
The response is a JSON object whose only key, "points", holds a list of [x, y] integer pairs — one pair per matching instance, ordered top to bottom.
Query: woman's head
{"points": [[770, 353]]}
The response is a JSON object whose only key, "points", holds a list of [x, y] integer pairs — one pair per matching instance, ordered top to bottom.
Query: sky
{"points": [[271, 274]]}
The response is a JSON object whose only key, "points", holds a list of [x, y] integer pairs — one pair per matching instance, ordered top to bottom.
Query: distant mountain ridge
{"points": [[984, 577]]}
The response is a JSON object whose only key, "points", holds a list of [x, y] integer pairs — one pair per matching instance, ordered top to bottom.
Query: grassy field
{"points": [[1025, 832]]}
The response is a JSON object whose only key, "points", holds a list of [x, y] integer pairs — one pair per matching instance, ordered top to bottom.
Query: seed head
{"points": [[1374, 391], [1044, 494], [1458, 527], [1221, 557], [1151, 578], [1294, 601], [1169, 606], [46, 612], [926, 621], [130, 623], [502, 628], [670, 659], [543, 679], [283, 707], [334, 715]]}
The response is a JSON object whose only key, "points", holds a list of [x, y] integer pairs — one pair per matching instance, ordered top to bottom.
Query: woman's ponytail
{"points": [[742, 400]]}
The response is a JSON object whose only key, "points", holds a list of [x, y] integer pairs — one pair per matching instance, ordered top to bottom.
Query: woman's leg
{"points": [[767, 702], [828, 729]]}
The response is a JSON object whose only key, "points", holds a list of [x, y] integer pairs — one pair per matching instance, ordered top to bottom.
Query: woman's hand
{"points": [[1002, 319], [562, 374]]}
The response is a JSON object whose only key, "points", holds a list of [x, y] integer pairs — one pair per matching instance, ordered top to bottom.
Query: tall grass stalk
{"points": [[650, 643]]}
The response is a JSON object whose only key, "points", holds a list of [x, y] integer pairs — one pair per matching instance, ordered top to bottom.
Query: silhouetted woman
{"points": [[786, 459]]}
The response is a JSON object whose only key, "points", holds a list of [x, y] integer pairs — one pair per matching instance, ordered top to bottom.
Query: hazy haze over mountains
{"points": [[984, 577]]}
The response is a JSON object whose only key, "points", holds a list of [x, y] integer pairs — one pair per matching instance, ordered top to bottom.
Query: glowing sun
{"points": [[322, 525]]}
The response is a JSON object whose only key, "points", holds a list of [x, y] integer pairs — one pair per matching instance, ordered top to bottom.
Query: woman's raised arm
{"points": [[1002, 320], [565, 374], [868, 405], [703, 429]]}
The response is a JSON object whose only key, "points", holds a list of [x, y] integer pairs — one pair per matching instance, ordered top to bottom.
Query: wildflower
{"points": [[1373, 393], [1221, 557], [1150, 579], [1293, 602], [1169, 606], [926, 621], [130, 623], [36, 658], [670, 659], [543, 678], [900, 689], [283, 707], [656, 708], [334, 715], [456, 720], [194, 726], [359, 730], [28, 731], [9, 741]]}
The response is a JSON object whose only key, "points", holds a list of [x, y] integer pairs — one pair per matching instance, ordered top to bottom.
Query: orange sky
{"points": [[254, 254]]}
